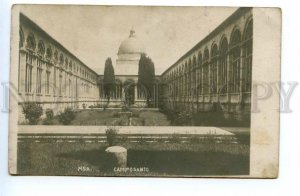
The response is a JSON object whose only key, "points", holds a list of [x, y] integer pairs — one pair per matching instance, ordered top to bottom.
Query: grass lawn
{"points": [[111, 117], [88, 159]]}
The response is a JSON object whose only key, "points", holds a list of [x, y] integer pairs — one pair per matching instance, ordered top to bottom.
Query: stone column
{"points": [[22, 70], [217, 70], [228, 72], [242, 76], [34, 77], [209, 78], [202, 82], [135, 92]]}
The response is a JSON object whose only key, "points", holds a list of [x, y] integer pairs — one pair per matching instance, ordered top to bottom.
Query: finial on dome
{"points": [[132, 32]]}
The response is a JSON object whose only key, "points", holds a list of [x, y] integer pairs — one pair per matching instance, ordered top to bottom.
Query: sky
{"points": [[94, 33]]}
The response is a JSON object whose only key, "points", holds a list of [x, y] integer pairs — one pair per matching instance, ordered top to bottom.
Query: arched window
{"points": [[21, 41], [31, 44], [41, 48], [235, 52], [49, 53], [248, 56], [55, 57], [61, 59], [66, 63], [223, 65], [70, 66], [29, 67], [213, 67], [206, 71], [55, 72], [48, 76], [194, 77], [199, 78], [185, 79], [189, 87], [118, 89]]}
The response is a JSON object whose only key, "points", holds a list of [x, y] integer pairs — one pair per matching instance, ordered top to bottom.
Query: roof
{"points": [[25, 20], [217, 30]]}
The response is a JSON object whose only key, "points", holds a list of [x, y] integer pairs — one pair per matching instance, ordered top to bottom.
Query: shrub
{"points": [[32, 112], [49, 114], [67, 116], [49, 117], [183, 119], [111, 135]]}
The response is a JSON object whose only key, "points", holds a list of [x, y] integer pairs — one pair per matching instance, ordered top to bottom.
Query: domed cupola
{"points": [[131, 45], [129, 54]]}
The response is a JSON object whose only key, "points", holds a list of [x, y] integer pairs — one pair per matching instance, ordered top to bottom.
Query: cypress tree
{"points": [[146, 75], [109, 78]]}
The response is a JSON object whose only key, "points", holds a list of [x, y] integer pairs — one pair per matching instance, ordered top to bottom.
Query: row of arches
{"points": [[48, 54], [225, 67], [45, 71], [120, 89]]}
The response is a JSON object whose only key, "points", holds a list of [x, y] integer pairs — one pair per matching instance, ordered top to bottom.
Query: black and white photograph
{"points": [[151, 91]]}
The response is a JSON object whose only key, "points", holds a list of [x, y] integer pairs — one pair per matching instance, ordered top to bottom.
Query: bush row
{"points": [[33, 113]]}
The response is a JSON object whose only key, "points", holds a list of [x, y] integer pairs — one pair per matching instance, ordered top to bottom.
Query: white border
{"points": [[289, 148]]}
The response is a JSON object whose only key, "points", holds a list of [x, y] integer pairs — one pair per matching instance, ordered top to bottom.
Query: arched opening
{"points": [[21, 40], [31, 44], [248, 44], [41, 48], [49, 53], [235, 53], [223, 56], [61, 59], [213, 67], [206, 71], [194, 77], [199, 77], [189, 80], [118, 89], [185, 89], [129, 92]]}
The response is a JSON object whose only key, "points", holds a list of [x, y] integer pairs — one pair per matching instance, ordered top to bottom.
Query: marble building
{"points": [[51, 75]]}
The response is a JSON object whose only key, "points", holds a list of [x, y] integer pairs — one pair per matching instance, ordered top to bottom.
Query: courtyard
{"points": [[152, 151]]}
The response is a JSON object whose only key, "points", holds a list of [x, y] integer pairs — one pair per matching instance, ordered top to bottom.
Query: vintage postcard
{"points": [[144, 91]]}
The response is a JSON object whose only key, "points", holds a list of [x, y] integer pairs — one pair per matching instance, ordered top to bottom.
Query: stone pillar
{"points": [[22, 70], [196, 70], [217, 70], [228, 73], [242, 76], [34, 77], [209, 78], [202, 84], [228, 84], [135, 92], [116, 156]]}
